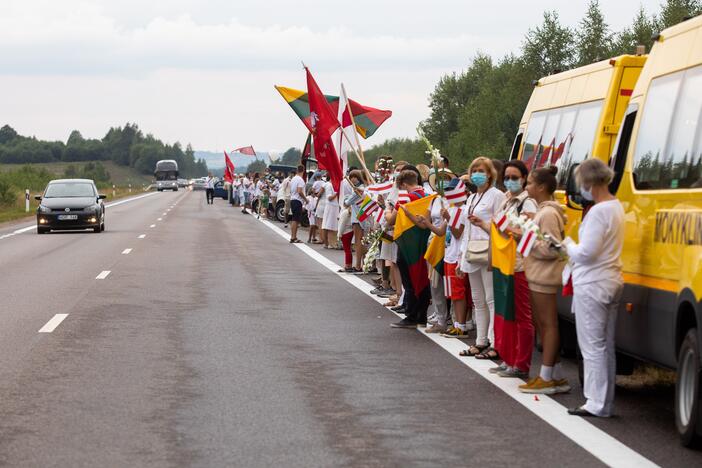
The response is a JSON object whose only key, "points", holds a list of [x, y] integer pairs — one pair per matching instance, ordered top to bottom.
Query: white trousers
{"points": [[438, 298], [484, 305], [595, 308]]}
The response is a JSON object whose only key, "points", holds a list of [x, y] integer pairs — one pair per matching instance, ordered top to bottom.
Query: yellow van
{"points": [[574, 115], [658, 165]]}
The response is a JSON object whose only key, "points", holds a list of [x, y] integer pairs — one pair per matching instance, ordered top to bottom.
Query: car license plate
{"points": [[67, 217]]}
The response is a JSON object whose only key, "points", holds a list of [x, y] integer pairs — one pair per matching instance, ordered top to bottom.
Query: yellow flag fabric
{"points": [[417, 208], [435, 252]]}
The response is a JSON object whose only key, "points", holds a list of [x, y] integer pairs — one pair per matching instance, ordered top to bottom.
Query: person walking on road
{"points": [[209, 188], [297, 200], [597, 286]]}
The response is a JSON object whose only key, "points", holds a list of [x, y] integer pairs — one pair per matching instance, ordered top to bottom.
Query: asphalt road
{"points": [[214, 342]]}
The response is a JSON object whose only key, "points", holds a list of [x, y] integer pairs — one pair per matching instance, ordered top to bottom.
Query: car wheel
{"points": [[175, 189], [280, 212], [102, 227], [97, 229], [41, 230], [687, 390]]}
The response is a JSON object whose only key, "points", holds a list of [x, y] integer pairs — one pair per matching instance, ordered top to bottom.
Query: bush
{"points": [[7, 195]]}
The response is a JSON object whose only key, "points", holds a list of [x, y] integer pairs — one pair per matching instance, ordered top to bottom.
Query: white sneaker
{"points": [[433, 318], [470, 325]]}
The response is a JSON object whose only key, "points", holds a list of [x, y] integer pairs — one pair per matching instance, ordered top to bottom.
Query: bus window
{"points": [[653, 132], [563, 136], [548, 138], [581, 138], [532, 140], [682, 156]]}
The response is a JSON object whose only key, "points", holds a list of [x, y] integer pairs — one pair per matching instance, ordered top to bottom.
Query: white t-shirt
{"points": [[209, 182], [297, 183], [247, 185], [285, 187], [274, 188], [316, 189], [328, 192], [485, 206], [453, 245], [598, 255]]}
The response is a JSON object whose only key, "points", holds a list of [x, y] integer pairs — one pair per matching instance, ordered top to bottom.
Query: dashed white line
{"points": [[159, 219], [152, 226], [141, 236], [126, 251], [103, 274], [53, 323], [594, 440]]}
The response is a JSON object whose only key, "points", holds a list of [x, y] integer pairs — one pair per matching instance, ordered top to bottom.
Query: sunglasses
{"points": [[515, 178]]}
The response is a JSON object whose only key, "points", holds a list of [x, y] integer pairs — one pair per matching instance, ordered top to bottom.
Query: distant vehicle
{"points": [[166, 175], [183, 183], [199, 184], [220, 190], [70, 204], [279, 209]]}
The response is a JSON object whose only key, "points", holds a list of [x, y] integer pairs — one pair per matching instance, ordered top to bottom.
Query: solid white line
{"points": [[109, 205], [152, 226], [141, 236], [126, 251], [103, 274], [53, 323], [594, 440]]}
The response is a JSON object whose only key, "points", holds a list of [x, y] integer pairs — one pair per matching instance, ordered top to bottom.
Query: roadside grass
{"points": [[119, 175]]}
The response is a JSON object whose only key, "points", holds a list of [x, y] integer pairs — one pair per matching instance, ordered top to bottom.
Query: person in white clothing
{"points": [[209, 188], [285, 191], [297, 200], [481, 208], [330, 217], [597, 286]]}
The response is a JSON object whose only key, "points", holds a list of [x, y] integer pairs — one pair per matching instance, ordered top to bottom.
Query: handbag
{"points": [[477, 251]]}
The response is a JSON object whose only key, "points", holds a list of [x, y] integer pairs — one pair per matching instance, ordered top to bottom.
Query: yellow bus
{"points": [[574, 115], [658, 165]]}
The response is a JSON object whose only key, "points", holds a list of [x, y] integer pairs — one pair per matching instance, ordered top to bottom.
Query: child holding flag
{"points": [[544, 269]]}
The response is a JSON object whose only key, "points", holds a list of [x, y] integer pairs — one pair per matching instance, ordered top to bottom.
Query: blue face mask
{"points": [[478, 178], [514, 186], [587, 194]]}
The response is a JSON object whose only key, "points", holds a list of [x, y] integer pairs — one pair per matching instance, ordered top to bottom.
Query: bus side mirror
{"points": [[573, 198]]}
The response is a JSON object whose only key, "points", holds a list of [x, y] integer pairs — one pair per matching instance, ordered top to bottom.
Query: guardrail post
{"points": [[130, 188], [113, 191], [26, 200]]}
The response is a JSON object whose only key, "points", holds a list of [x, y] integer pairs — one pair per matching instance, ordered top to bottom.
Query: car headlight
{"points": [[44, 209]]}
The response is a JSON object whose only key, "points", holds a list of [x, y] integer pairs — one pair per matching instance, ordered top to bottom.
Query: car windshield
{"points": [[69, 189]]}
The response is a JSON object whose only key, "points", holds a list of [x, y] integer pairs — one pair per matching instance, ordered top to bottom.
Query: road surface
{"points": [[194, 335]]}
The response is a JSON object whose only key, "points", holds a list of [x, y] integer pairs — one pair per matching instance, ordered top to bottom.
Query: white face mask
{"points": [[586, 193]]}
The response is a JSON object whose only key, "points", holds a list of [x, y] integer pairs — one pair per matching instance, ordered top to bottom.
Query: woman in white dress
{"points": [[330, 217]]}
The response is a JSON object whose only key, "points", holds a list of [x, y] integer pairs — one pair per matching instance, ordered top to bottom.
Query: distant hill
{"points": [[216, 160]]}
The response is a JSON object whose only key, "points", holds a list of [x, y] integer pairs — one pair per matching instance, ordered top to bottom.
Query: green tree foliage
{"points": [[675, 11], [593, 37], [477, 112], [126, 146], [291, 157], [257, 166], [17, 180]]}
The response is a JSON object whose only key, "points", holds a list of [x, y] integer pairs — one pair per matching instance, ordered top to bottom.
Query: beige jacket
{"points": [[543, 266]]}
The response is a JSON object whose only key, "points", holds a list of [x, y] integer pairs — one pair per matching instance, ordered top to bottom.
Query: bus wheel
{"points": [[687, 390]]}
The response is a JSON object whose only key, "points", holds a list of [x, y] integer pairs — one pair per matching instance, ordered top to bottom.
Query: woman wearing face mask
{"points": [[481, 208], [544, 269], [597, 286], [514, 342]]}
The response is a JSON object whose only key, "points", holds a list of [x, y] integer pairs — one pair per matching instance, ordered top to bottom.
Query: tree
{"points": [[675, 11], [640, 32], [593, 37], [549, 47], [7, 134], [75, 138], [291, 157], [256, 166]]}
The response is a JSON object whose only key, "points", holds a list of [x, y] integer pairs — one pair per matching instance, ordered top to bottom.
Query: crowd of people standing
{"points": [[461, 298]]}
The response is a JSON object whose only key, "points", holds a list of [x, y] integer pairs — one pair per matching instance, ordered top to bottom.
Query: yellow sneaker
{"points": [[539, 386], [562, 386]]}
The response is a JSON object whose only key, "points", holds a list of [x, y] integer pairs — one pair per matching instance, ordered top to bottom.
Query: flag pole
{"points": [[360, 156]]}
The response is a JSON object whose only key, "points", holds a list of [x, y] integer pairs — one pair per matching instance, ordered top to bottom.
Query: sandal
{"points": [[295, 241], [345, 270], [390, 303], [474, 350], [488, 354]]}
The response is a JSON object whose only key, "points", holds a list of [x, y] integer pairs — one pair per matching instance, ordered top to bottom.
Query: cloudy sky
{"points": [[203, 71]]}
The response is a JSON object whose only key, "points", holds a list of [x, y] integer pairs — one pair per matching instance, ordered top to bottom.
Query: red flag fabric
{"points": [[324, 123], [248, 150], [228, 169]]}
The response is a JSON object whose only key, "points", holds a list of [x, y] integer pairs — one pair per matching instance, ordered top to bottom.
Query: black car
{"points": [[70, 204]]}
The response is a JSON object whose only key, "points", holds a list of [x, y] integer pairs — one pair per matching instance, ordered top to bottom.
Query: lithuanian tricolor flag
{"points": [[368, 119], [412, 242], [435, 253], [504, 256]]}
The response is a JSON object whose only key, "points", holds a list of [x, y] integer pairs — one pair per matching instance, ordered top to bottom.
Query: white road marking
{"points": [[108, 205], [164, 214], [159, 219], [152, 226], [141, 236], [126, 251], [103, 274], [53, 323], [594, 440]]}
